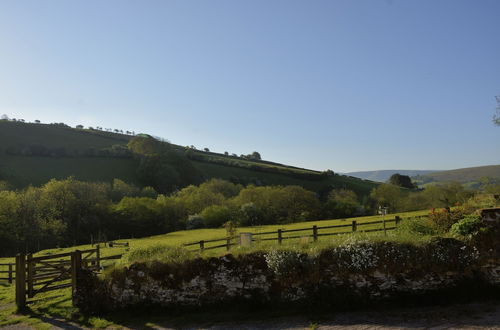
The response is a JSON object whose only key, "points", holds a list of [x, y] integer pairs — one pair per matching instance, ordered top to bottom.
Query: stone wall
{"points": [[361, 271]]}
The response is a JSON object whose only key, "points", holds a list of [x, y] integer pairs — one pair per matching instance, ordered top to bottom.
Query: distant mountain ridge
{"points": [[384, 175], [463, 175]]}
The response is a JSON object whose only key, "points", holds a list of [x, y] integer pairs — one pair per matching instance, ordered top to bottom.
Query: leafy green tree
{"points": [[401, 180], [388, 195], [341, 203], [215, 216]]}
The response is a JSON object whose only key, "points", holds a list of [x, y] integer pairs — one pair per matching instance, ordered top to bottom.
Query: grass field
{"points": [[22, 171], [52, 308]]}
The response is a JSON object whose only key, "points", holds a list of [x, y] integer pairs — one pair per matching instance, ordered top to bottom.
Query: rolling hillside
{"points": [[35, 153], [384, 175], [463, 175]]}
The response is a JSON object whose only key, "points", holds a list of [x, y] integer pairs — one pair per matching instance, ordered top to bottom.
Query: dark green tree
{"points": [[401, 180]]}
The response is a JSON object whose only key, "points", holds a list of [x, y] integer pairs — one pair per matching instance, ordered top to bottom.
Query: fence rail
{"points": [[314, 232], [10, 270]]}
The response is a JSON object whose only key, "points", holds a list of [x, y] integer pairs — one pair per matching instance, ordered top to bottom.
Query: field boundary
{"points": [[314, 233]]}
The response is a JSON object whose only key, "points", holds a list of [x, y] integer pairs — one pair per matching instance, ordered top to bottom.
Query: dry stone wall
{"points": [[362, 271]]}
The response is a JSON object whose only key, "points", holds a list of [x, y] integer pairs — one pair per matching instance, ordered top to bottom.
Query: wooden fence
{"points": [[313, 232], [7, 272], [35, 275]]}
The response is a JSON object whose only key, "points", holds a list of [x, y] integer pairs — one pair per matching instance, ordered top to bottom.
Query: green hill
{"points": [[35, 153], [384, 175], [468, 176]]}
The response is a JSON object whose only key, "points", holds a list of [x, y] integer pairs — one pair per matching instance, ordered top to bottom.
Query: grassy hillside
{"points": [[21, 167], [384, 175], [467, 175]]}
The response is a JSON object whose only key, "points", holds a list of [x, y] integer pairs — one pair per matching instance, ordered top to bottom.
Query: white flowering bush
{"points": [[356, 254], [286, 263]]}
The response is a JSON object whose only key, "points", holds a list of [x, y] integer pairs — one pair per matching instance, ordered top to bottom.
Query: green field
{"points": [[22, 171], [179, 238], [49, 307]]}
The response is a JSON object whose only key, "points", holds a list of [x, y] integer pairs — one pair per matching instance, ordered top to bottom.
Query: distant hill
{"points": [[32, 154], [384, 175], [469, 175]]}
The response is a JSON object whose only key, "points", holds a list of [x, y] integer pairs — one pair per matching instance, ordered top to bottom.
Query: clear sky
{"points": [[346, 85]]}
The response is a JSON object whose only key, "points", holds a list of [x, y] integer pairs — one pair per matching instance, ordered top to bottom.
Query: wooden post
{"points": [[398, 220], [354, 226], [385, 229], [315, 233], [280, 236], [228, 244], [202, 245], [98, 257], [76, 265], [30, 267], [10, 273], [20, 281]]}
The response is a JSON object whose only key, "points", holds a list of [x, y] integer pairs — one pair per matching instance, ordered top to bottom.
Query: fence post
{"points": [[398, 220], [354, 226], [315, 233], [280, 236], [228, 244], [202, 245], [98, 256], [29, 264], [76, 265], [10, 273], [20, 281]]}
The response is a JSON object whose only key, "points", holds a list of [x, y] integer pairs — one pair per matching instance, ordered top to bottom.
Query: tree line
{"points": [[70, 212]]}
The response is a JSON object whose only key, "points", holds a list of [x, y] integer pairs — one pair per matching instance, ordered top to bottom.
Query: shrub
{"points": [[215, 216], [442, 220], [195, 222], [419, 226], [469, 227], [287, 263]]}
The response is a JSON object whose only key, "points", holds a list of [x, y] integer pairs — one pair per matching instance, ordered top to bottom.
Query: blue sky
{"points": [[346, 85]]}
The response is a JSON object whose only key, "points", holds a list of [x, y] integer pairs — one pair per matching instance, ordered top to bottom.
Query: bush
{"points": [[215, 216], [442, 220], [195, 222], [419, 226], [469, 227]]}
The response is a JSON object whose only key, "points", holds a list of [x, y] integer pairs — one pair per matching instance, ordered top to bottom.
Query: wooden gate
{"points": [[35, 275]]}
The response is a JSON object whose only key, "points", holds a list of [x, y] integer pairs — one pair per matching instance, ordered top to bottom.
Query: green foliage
{"points": [[401, 181], [388, 195], [341, 203], [215, 216], [442, 220], [195, 221], [416, 226], [469, 227], [164, 253]]}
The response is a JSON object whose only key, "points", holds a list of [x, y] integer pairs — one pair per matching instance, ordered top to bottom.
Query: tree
{"points": [[4, 117], [79, 126], [206, 149], [254, 155], [401, 180], [388, 195], [341, 203]]}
